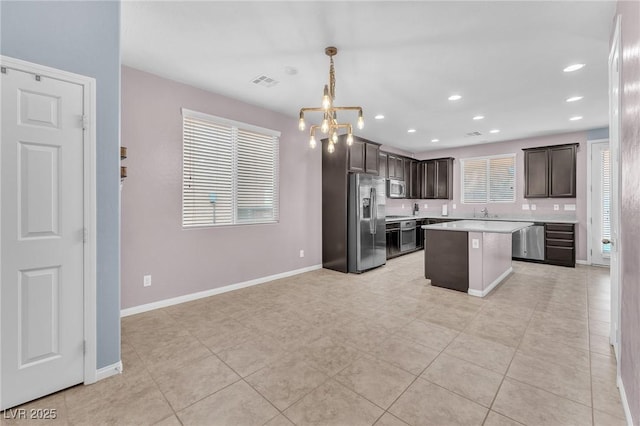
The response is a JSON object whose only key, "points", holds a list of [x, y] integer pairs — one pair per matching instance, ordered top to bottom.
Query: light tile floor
{"points": [[384, 348]]}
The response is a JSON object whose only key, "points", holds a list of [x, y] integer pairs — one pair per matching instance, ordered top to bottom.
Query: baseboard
{"points": [[583, 262], [483, 293], [202, 294], [109, 370], [625, 402]]}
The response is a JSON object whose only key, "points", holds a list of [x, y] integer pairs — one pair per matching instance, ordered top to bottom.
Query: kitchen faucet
{"points": [[416, 209], [485, 212]]}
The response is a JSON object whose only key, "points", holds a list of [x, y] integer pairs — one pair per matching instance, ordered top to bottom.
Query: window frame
{"points": [[235, 128], [487, 158]]}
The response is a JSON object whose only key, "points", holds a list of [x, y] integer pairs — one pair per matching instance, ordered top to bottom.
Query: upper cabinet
{"points": [[363, 156], [395, 166], [383, 171], [550, 171], [437, 178]]}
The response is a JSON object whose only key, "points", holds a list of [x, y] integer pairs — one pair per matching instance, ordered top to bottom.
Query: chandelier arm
{"points": [[332, 81], [318, 109]]}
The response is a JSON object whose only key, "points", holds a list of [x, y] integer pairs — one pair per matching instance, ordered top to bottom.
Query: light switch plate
{"points": [[425, 205], [533, 206], [556, 206], [454, 207], [525, 207], [570, 207], [475, 243], [147, 280]]}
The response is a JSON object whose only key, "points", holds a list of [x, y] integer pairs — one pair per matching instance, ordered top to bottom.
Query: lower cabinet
{"points": [[393, 240], [560, 244]]}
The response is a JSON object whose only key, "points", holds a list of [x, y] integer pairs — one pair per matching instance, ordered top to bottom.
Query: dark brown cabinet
{"points": [[363, 156], [395, 166], [383, 171], [550, 171], [437, 179], [412, 183], [393, 239], [560, 244]]}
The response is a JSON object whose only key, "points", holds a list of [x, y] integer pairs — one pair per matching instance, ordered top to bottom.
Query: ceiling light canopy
{"points": [[574, 67], [455, 97], [574, 98], [330, 125]]}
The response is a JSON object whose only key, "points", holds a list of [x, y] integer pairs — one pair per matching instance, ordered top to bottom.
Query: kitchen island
{"points": [[472, 256]]}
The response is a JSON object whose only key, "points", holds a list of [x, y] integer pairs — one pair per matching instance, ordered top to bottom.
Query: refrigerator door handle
{"points": [[374, 212]]}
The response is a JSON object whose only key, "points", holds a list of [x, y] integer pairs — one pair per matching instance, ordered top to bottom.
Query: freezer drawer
{"points": [[528, 243]]}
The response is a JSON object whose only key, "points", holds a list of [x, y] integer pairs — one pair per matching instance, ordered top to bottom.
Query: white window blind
{"points": [[230, 172], [488, 179], [606, 198]]}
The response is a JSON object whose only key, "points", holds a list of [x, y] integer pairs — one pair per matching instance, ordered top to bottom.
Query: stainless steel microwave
{"points": [[396, 188]]}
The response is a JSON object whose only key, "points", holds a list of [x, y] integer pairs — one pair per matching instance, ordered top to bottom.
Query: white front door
{"points": [[600, 203], [41, 233]]}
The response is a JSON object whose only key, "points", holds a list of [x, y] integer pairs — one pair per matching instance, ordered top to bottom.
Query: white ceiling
{"points": [[400, 59]]}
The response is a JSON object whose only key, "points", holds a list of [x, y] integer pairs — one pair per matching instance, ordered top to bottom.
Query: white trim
{"points": [[90, 211], [586, 262], [487, 290], [202, 294], [109, 370], [625, 402]]}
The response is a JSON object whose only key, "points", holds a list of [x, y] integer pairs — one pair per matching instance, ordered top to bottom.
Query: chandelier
{"points": [[330, 125]]}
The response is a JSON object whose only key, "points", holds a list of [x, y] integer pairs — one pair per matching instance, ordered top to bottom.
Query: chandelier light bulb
{"points": [[326, 101], [360, 121], [301, 124], [325, 126], [334, 137], [349, 139], [312, 141], [331, 148]]}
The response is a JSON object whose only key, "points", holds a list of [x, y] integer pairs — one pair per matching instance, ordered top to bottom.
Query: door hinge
{"points": [[3, 70], [38, 78], [85, 122], [84, 347]]}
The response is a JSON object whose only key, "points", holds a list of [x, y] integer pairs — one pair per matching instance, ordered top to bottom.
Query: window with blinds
{"points": [[230, 172], [605, 172], [488, 179]]}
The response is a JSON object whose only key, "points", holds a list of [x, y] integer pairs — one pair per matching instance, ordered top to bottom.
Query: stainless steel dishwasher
{"points": [[528, 243]]}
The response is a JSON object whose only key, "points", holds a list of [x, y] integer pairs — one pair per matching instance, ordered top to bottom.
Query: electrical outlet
{"points": [[425, 205], [403, 206], [454, 206], [533, 206], [556, 206], [525, 207], [570, 207], [475, 243], [301, 253], [147, 280]]}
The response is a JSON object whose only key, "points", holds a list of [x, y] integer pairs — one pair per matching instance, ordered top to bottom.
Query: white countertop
{"points": [[501, 218], [499, 227]]}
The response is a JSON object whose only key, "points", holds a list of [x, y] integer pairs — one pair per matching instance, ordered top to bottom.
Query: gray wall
{"points": [[84, 38], [630, 206], [184, 261]]}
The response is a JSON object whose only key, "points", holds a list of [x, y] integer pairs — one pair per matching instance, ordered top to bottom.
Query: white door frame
{"points": [[89, 184], [589, 198], [616, 249]]}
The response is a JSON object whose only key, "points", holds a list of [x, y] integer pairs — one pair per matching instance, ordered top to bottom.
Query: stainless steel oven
{"points": [[407, 235]]}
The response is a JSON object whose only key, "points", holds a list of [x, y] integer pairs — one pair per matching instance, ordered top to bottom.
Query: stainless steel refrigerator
{"points": [[366, 222]]}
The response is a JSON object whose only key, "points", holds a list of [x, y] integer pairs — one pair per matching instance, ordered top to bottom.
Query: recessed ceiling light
{"points": [[574, 67], [455, 97], [574, 98], [379, 117], [478, 117], [576, 118], [411, 131], [494, 131], [435, 140]]}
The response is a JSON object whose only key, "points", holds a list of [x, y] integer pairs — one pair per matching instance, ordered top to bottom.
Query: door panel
{"points": [[600, 203], [42, 232]]}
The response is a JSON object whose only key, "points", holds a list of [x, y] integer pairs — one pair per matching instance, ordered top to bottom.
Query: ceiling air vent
{"points": [[263, 80], [474, 134]]}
